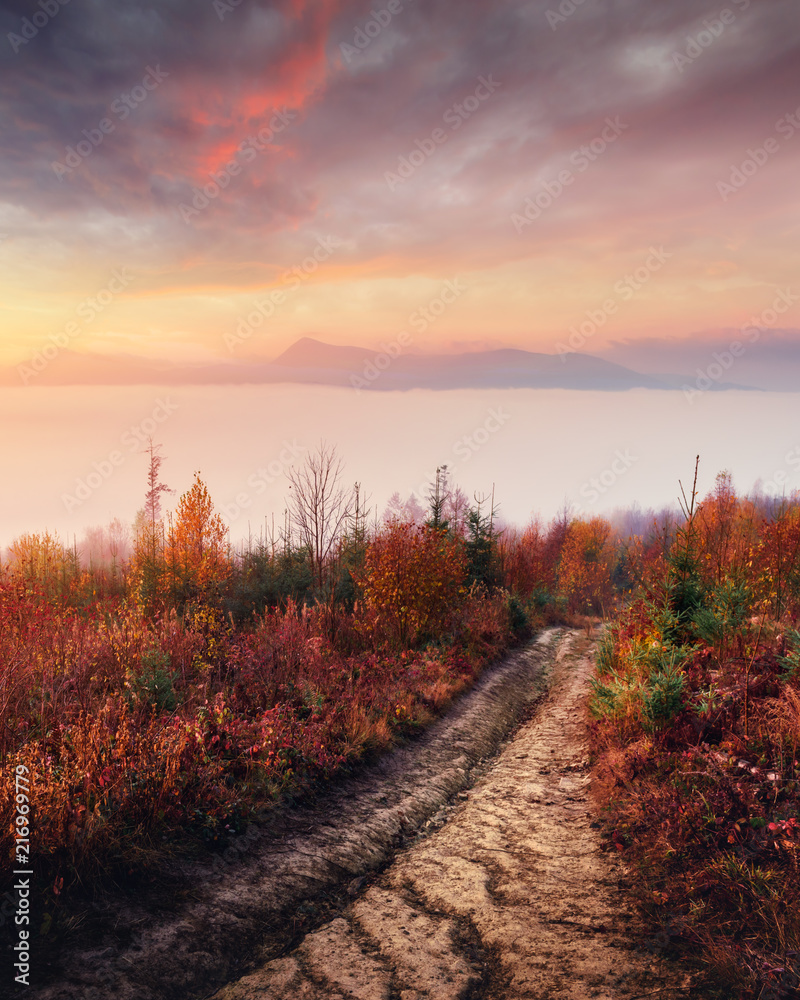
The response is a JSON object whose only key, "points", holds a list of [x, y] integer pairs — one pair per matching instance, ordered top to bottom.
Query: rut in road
{"points": [[512, 898], [204, 925]]}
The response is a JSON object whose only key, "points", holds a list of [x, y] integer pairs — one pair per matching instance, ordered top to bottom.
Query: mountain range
{"points": [[310, 361]]}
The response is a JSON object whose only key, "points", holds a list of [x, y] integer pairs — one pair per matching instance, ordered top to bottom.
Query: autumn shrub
{"points": [[585, 565], [524, 566], [264, 579], [412, 580], [663, 697], [161, 707], [696, 728], [146, 732]]}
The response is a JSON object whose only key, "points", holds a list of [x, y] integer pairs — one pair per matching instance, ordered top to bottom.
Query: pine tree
{"points": [[437, 500]]}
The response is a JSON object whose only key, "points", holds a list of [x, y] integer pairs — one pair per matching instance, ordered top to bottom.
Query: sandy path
{"points": [[510, 898]]}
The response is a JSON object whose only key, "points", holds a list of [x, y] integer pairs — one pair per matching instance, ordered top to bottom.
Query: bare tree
{"points": [[152, 499], [319, 507], [456, 510], [359, 512], [149, 529]]}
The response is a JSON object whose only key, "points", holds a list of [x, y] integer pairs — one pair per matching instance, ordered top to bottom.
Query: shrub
{"points": [[413, 579], [518, 620], [153, 684], [662, 699], [697, 730]]}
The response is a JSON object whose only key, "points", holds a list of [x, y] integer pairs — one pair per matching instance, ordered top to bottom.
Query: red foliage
{"points": [[159, 726]]}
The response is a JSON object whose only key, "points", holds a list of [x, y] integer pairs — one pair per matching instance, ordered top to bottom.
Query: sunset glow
{"points": [[206, 149]]}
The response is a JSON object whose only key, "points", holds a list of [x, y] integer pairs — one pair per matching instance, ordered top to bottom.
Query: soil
{"points": [[467, 863]]}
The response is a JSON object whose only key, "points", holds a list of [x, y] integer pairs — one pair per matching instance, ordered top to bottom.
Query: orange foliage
{"points": [[726, 529], [196, 553], [522, 557], [778, 561], [42, 562], [586, 564], [412, 580]]}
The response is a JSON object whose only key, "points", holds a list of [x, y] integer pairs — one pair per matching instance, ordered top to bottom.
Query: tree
{"points": [[438, 496], [152, 498], [320, 508], [394, 509], [456, 510], [409, 511], [716, 518], [357, 524], [119, 536], [556, 538], [481, 543], [103, 553], [196, 556], [522, 557], [587, 558], [779, 559], [148, 560], [43, 562], [483, 566], [412, 580]]}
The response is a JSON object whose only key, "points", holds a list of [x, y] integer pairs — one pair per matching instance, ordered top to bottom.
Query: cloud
{"points": [[226, 78], [355, 119]]}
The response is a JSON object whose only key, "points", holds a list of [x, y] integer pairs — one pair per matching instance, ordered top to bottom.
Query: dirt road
{"points": [[464, 864], [511, 898], [196, 927]]}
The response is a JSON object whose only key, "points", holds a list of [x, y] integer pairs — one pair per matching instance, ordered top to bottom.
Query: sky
{"points": [[621, 164], [203, 183]]}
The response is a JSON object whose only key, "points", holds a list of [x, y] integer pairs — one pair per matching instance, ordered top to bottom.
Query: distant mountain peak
{"points": [[308, 352]]}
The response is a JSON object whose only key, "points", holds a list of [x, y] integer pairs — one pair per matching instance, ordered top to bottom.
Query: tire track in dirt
{"points": [[511, 898], [213, 922]]}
